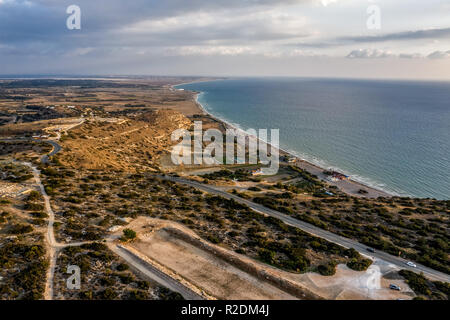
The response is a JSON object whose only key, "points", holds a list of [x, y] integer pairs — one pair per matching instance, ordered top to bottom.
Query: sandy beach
{"points": [[349, 186]]}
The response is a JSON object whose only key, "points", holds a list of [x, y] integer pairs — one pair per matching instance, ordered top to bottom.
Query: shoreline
{"points": [[350, 186]]}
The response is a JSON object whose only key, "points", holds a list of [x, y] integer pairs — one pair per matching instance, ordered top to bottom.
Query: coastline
{"points": [[350, 186]]}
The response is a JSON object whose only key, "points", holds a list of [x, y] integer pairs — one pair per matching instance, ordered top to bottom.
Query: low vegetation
{"points": [[424, 288]]}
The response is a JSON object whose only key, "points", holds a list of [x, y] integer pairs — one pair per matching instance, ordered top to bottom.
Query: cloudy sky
{"points": [[321, 38]]}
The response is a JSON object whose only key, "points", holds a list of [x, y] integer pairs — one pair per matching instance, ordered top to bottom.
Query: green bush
{"points": [[33, 196], [4, 202], [33, 206], [39, 214], [20, 229], [128, 234], [213, 239], [267, 256], [361, 264], [122, 267], [328, 269], [422, 286], [108, 294], [166, 294], [138, 295]]}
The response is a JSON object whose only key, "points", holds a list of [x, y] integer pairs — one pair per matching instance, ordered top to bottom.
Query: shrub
{"points": [[33, 196], [4, 202], [33, 206], [39, 214], [20, 229], [128, 234], [213, 239], [352, 253], [267, 256], [361, 264], [122, 267], [328, 269], [417, 282], [144, 285], [108, 294], [166, 294], [86, 295], [138, 295]]}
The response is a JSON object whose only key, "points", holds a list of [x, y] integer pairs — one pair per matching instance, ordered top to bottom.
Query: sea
{"points": [[390, 135]]}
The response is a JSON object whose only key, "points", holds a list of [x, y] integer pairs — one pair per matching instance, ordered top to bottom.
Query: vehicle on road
{"points": [[371, 250], [399, 262], [411, 264], [395, 287]]}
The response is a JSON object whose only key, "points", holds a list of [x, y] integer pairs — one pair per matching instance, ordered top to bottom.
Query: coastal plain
{"points": [[104, 197]]}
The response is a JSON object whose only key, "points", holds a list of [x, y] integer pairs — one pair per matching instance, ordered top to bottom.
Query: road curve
{"points": [[56, 148], [345, 242], [54, 246]]}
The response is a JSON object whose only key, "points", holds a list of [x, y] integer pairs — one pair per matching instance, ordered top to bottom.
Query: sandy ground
{"points": [[348, 186], [13, 190], [201, 268], [224, 281], [347, 284]]}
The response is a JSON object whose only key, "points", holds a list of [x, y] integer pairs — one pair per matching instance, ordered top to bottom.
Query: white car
{"points": [[411, 264]]}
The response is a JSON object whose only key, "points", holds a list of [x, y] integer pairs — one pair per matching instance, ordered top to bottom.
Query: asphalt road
{"points": [[56, 148], [400, 263]]}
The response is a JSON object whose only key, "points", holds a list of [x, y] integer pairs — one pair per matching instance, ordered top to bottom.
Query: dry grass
{"points": [[129, 146]]}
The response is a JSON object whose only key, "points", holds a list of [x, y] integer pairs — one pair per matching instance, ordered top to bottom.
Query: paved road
{"points": [[56, 148], [347, 243], [154, 274]]}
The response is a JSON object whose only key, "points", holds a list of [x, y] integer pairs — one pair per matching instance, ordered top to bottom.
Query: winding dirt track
{"points": [[52, 245]]}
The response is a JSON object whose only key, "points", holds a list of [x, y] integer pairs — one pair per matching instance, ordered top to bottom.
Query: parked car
{"points": [[371, 250], [411, 264], [395, 287]]}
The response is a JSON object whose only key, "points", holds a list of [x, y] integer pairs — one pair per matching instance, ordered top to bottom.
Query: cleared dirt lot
{"points": [[203, 270], [220, 279], [347, 284]]}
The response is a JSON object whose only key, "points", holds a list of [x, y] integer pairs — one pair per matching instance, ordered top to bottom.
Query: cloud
{"points": [[325, 3], [220, 27], [443, 33], [116, 34], [431, 34], [209, 51], [369, 54], [377, 54], [439, 55], [410, 56]]}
